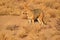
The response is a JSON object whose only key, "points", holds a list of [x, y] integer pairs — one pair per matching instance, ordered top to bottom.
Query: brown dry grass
{"points": [[14, 23]]}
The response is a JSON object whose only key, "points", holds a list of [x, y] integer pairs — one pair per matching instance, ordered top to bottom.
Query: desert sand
{"points": [[15, 24]]}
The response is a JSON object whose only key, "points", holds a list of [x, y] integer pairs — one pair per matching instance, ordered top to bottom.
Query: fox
{"points": [[34, 15]]}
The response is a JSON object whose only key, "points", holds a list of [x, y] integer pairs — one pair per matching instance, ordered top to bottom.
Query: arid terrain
{"points": [[29, 19]]}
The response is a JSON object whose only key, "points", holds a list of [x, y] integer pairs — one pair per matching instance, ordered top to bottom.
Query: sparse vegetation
{"points": [[15, 14], [12, 27]]}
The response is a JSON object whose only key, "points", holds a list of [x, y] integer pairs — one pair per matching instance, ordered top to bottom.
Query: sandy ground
{"points": [[15, 25], [15, 28]]}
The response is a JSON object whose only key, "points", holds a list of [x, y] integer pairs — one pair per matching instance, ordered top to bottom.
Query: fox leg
{"points": [[40, 18], [31, 21], [40, 21]]}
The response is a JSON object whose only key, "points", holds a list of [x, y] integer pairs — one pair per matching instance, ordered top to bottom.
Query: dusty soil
{"points": [[15, 24]]}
